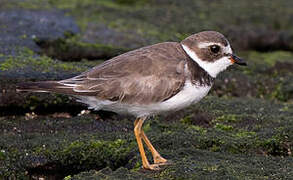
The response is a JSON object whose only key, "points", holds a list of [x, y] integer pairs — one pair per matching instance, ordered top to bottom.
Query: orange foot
{"points": [[161, 161], [158, 162], [153, 167]]}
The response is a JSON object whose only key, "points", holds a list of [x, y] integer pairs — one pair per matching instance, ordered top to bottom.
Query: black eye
{"points": [[215, 48]]}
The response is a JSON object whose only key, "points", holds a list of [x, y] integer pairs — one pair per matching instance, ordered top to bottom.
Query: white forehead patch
{"points": [[213, 68]]}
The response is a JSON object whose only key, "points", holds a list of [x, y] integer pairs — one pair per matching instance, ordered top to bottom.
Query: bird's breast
{"points": [[190, 94]]}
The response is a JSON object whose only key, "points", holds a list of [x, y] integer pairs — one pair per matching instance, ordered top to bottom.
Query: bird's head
{"points": [[211, 50]]}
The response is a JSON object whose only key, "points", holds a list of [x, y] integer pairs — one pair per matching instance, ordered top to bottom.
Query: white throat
{"points": [[213, 68]]}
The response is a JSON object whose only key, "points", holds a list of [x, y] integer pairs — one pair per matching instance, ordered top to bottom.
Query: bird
{"points": [[151, 80]]}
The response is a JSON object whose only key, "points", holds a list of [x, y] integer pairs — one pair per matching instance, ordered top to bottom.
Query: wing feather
{"points": [[147, 75]]}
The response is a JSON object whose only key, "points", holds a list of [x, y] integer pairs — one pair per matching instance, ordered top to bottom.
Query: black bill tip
{"points": [[237, 60]]}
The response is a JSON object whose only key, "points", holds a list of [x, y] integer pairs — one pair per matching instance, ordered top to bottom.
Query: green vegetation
{"points": [[178, 19], [71, 48], [270, 58], [43, 63], [261, 130], [78, 151]]}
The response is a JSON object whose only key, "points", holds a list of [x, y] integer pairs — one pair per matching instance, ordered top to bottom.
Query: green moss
{"points": [[131, 2], [31, 4], [62, 4], [73, 4], [107, 15], [141, 16], [182, 36], [73, 48], [270, 58], [27, 59], [8, 64], [283, 91], [278, 94], [229, 118], [186, 120], [147, 126], [223, 127], [260, 127], [198, 129], [245, 134], [273, 146], [215, 148], [93, 153], [2, 155], [75, 156], [211, 168], [68, 177]]}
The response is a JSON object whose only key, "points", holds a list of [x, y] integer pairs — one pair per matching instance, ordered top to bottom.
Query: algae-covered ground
{"points": [[241, 130], [224, 138]]}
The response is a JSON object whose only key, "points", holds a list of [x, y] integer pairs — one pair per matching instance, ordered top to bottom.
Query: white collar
{"points": [[213, 68]]}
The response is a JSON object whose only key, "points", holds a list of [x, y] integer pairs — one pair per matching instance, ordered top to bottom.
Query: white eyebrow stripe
{"points": [[207, 44], [226, 49]]}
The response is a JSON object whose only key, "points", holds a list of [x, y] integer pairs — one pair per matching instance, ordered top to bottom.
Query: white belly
{"points": [[190, 94]]}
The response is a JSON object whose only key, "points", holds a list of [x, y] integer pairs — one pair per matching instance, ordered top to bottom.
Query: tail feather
{"points": [[45, 86]]}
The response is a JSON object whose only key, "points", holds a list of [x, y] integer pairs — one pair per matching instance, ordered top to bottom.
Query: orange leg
{"points": [[139, 134], [158, 159]]}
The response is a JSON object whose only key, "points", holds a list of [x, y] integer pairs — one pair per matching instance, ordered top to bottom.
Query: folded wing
{"points": [[147, 75]]}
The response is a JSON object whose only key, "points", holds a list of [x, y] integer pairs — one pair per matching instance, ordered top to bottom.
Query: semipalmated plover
{"points": [[163, 77]]}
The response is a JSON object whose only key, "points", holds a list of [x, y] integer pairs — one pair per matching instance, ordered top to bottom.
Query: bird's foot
{"points": [[158, 161], [161, 161], [168, 162], [153, 167]]}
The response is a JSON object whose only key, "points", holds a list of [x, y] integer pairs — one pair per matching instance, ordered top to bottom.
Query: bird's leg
{"points": [[138, 133], [158, 159]]}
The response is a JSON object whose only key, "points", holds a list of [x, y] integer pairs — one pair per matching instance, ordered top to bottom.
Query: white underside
{"points": [[190, 94]]}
